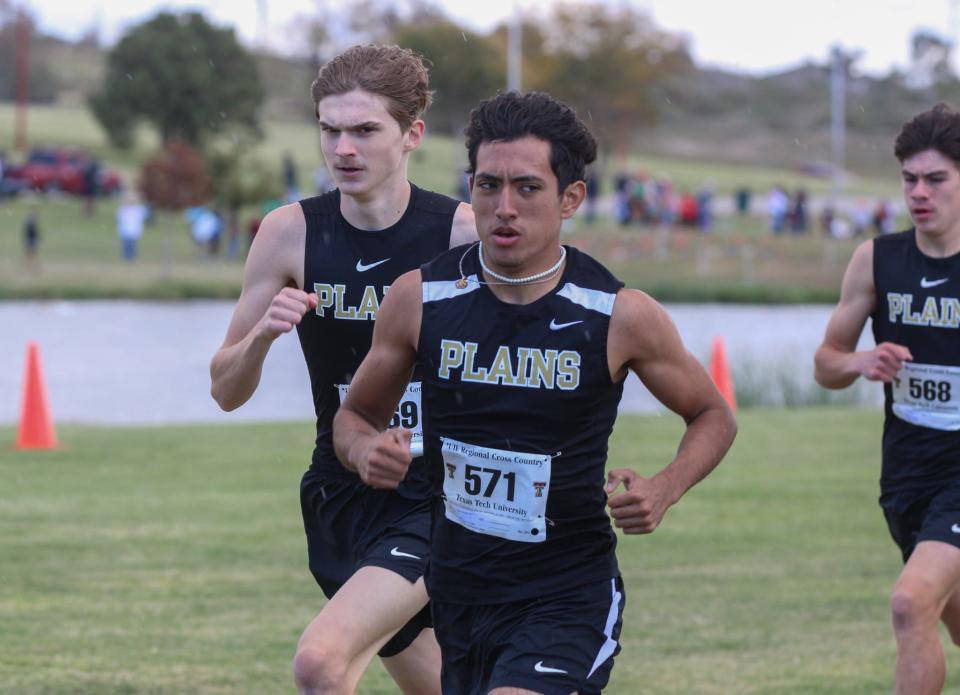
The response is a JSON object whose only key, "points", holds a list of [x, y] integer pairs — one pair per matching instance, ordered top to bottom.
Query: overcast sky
{"points": [[746, 35]]}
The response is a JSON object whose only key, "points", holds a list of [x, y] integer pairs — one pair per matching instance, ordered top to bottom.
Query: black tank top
{"points": [[351, 269], [918, 306], [519, 406]]}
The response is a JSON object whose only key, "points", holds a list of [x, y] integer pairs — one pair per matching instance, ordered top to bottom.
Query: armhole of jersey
{"points": [[432, 203], [317, 211], [453, 221], [307, 241], [610, 284], [877, 296], [606, 344], [420, 366]]}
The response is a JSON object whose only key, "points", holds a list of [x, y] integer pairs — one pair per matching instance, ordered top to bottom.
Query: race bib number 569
{"points": [[406, 415], [496, 492]]}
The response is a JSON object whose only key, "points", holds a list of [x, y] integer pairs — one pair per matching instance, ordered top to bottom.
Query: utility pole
{"points": [[264, 25], [954, 37], [515, 50], [22, 60], [838, 89]]}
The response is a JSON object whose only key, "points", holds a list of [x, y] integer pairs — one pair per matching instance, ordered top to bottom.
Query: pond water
{"points": [[126, 362]]}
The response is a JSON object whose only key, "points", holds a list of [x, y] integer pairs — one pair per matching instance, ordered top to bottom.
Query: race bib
{"points": [[927, 395], [406, 415], [496, 492]]}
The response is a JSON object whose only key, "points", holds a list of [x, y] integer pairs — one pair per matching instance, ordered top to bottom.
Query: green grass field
{"points": [[434, 166], [79, 257], [739, 261], [172, 560]]}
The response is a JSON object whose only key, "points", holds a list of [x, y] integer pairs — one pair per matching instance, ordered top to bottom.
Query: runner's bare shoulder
{"points": [[280, 242]]}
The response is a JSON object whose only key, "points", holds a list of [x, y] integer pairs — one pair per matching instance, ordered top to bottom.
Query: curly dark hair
{"points": [[511, 116], [936, 129]]}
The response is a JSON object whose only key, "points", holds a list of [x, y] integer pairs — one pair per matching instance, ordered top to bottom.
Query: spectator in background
{"points": [[322, 181], [91, 185], [8, 188], [291, 189], [621, 197], [741, 199], [666, 202], [638, 204], [778, 205], [705, 207], [688, 210], [798, 212], [862, 217], [131, 218], [883, 218], [826, 219], [221, 226], [205, 227], [31, 239]]}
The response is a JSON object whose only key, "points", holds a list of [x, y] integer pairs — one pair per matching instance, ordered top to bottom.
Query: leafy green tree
{"points": [[336, 25], [604, 61], [464, 68], [186, 77], [240, 180]]}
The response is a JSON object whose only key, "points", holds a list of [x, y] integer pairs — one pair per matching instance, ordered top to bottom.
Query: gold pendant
{"points": [[461, 284]]}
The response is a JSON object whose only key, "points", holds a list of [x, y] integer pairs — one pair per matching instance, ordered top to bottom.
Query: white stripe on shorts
{"points": [[610, 645]]}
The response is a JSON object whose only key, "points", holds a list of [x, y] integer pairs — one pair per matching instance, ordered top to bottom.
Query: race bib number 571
{"points": [[496, 492]]}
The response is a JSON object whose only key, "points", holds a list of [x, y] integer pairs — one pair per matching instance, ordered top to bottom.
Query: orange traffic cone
{"points": [[720, 371], [36, 425]]}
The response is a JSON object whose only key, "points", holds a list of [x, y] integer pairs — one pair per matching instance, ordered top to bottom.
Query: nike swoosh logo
{"points": [[361, 267], [927, 284], [554, 326], [955, 528], [397, 553], [540, 668]]}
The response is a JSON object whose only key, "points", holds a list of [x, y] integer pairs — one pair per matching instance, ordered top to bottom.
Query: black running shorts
{"points": [[350, 525], [554, 644]]}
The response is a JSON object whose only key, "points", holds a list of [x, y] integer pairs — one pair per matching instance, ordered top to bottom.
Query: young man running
{"points": [[324, 265], [908, 284], [523, 346]]}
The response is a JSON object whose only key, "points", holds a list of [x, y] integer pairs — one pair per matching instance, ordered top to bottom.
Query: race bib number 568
{"points": [[928, 395], [496, 492]]}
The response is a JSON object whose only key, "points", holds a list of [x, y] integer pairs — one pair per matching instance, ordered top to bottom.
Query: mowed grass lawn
{"points": [[79, 257], [739, 261], [172, 560]]}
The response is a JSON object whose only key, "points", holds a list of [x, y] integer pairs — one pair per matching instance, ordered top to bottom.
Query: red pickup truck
{"points": [[65, 170]]}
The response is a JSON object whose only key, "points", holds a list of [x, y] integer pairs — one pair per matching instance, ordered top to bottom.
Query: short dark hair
{"points": [[397, 74], [511, 116], [936, 129]]}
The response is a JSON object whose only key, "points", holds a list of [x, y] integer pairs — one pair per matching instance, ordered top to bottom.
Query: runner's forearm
{"points": [[835, 369], [235, 371], [351, 434], [708, 437]]}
